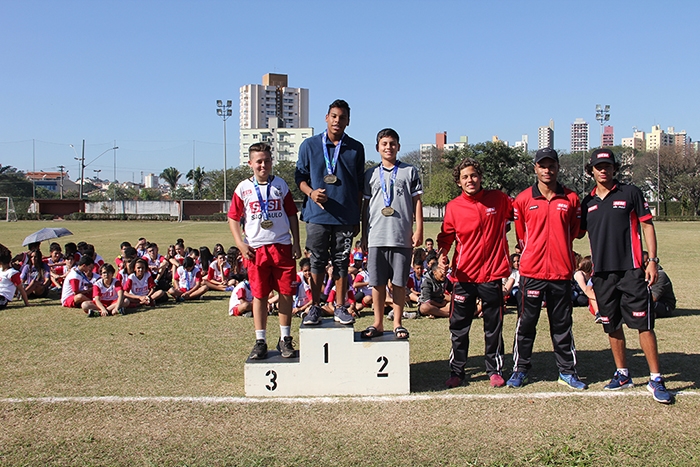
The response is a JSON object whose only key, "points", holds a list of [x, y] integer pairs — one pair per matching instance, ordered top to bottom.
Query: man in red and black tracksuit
{"points": [[615, 214], [547, 219], [476, 220]]}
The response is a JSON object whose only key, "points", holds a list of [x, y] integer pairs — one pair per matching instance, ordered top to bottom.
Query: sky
{"points": [[145, 75]]}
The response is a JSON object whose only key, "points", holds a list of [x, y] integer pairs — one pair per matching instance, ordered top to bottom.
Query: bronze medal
{"points": [[330, 179], [388, 211], [266, 224]]}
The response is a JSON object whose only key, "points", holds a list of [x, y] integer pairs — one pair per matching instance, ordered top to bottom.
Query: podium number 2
{"points": [[384, 361], [273, 380]]}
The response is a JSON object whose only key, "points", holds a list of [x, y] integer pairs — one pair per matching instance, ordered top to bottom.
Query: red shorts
{"points": [[273, 269], [70, 302], [107, 303], [235, 311]]}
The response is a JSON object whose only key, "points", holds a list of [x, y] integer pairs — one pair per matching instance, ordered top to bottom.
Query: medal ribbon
{"points": [[331, 165], [388, 192], [263, 204]]}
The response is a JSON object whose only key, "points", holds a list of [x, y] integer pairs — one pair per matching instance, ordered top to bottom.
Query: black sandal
{"points": [[401, 330], [370, 332]]}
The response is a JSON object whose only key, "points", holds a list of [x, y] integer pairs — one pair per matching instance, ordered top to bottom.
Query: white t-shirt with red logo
{"points": [[245, 207], [155, 264], [217, 274], [9, 280], [186, 280], [75, 282], [137, 286], [240, 292], [106, 293]]}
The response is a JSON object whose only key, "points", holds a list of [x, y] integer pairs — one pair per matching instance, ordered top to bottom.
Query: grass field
{"points": [[194, 350]]}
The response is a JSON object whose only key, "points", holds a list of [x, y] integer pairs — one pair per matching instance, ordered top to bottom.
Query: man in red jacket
{"points": [[547, 219], [477, 221]]}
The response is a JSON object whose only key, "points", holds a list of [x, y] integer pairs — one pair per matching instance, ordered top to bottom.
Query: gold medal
{"points": [[330, 179], [388, 211], [266, 224]]}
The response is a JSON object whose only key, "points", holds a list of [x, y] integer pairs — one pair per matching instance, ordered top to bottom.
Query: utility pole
{"points": [[62, 167]]}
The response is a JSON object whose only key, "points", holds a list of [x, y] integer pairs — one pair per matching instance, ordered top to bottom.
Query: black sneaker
{"points": [[286, 347], [259, 350]]}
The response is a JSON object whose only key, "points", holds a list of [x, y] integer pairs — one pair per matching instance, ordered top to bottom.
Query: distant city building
{"points": [[273, 105], [545, 136], [579, 136], [608, 136], [658, 138], [496, 139], [285, 142], [636, 142], [522, 143], [441, 145], [52, 181], [151, 181]]}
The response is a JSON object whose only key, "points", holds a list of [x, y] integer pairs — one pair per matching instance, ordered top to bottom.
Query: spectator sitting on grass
{"points": [[10, 281], [187, 282], [107, 295], [662, 296], [432, 298], [241, 301]]}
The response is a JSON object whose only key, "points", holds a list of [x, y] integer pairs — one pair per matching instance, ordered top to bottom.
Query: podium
{"points": [[332, 360]]}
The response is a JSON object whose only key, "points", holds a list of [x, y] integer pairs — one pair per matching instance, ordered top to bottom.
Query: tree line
{"points": [[671, 176]]}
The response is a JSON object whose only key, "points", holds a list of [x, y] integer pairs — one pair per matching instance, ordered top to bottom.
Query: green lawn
{"points": [[196, 349]]}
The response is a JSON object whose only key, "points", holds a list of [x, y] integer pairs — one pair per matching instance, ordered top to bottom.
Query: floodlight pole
{"points": [[224, 111], [602, 114]]}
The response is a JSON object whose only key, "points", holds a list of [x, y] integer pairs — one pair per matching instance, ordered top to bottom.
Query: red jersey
{"points": [[478, 226], [546, 231]]}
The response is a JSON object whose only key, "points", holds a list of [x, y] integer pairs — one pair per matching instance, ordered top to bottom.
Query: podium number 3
{"points": [[384, 361], [273, 380]]}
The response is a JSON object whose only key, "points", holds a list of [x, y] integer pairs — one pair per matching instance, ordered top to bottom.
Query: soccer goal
{"points": [[7, 209]]}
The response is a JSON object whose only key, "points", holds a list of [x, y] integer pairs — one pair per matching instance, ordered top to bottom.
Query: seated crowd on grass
{"points": [[141, 276]]}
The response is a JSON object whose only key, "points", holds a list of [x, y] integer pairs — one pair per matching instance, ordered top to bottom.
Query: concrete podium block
{"points": [[332, 361]]}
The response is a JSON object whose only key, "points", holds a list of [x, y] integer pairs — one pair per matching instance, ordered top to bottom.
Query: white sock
{"points": [[285, 331], [261, 334], [623, 371], [653, 376]]}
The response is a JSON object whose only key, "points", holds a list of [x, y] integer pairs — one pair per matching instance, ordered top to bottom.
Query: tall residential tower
{"points": [[276, 114]]}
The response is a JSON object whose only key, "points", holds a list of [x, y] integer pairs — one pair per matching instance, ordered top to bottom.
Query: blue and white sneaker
{"points": [[342, 316], [313, 317], [518, 379], [572, 381], [619, 381], [658, 389]]}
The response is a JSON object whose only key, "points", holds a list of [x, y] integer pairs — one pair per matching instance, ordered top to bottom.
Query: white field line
{"points": [[332, 400]]}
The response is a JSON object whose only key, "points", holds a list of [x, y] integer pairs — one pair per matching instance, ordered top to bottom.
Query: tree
{"points": [[505, 168], [285, 170], [572, 173], [657, 173], [171, 176], [198, 177], [13, 183], [215, 188], [442, 188], [149, 194]]}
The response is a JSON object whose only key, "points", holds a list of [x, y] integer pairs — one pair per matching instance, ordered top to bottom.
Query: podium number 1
{"points": [[325, 352]]}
